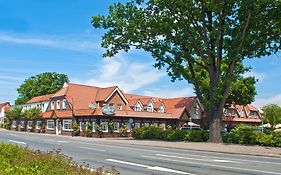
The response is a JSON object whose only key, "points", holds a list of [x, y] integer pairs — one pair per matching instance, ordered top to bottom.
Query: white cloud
{"points": [[54, 42], [129, 76], [261, 76], [185, 92], [260, 102]]}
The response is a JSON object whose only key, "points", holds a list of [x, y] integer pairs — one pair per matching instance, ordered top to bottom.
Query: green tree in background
{"points": [[185, 36], [41, 84], [15, 114], [272, 114]]}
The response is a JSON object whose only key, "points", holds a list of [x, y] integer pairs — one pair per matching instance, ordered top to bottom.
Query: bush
{"points": [[241, 134], [173, 135], [197, 136], [264, 139], [276, 139], [18, 160]]}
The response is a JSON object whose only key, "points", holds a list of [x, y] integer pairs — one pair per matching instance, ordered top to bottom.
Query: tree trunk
{"points": [[215, 124]]}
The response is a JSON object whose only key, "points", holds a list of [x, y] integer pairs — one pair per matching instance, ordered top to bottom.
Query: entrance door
{"points": [[58, 127]]}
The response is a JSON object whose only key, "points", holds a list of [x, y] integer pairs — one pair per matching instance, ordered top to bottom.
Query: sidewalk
{"points": [[200, 146]]}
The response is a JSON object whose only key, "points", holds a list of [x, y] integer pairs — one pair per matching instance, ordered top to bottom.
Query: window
{"points": [[58, 104], [64, 104], [52, 105], [120, 107], [149, 108], [161, 109], [197, 109], [14, 123], [21, 124], [29, 124], [38, 124], [50, 124], [146, 124], [155, 124], [67, 125], [137, 125], [81, 126], [94, 126], [104, 126], [116, 126], [128, 126], [163, 126]]}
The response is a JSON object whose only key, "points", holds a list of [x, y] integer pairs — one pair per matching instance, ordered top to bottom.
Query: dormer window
{"points": [[58, 104], [64, 104], [52, 105], [120, 107], [138, 107], [149, 108], [161, 109]]}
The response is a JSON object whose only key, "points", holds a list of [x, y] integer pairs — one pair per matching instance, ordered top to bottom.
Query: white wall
{"points": [[43, 105]]}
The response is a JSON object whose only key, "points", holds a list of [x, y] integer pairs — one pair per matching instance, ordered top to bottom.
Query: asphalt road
{"points": [[138, 159]]}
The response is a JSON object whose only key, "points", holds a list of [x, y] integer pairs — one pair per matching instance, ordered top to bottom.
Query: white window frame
{"points": [[58, 104], [64, 104], [52, 105], [120, 107], [28, 122], [50, 122], [68, 123], [21, 124], [38, 124], [146, 124], [155, 124], [137, 125], [163, 125], [94, 126], [106, 126], [116, 126]]}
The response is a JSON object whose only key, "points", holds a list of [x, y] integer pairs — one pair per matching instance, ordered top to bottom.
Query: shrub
{"points": [[123, 130], [241, 134], [173, 135], [197, 135], [264, 139], [276, 139], [17, 160]]}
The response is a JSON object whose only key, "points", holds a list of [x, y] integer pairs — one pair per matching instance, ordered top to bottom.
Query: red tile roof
{"points": [[40, 98]]}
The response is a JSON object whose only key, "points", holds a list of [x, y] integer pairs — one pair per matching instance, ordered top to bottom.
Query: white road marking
{"points": [[57, 141], [17, 142], [94, 149], [188, 152], [190, 158], [211, 165], [157, 168]]}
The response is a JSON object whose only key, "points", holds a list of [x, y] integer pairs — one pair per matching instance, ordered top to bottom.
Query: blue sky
{"points": [[56, 35]]}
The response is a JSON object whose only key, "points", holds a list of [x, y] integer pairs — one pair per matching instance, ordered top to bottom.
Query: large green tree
{"points": [[201, 41], [41, 84], [272, 114]]}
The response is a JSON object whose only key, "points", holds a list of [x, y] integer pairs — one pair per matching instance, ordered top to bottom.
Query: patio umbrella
{"points": [[192, 124]]}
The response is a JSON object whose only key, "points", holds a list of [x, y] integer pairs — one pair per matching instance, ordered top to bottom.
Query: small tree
{"points": [[272, 113], [14, 114]]}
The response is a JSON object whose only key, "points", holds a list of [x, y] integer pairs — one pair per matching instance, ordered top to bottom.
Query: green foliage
{"points": [[203, 42], [41, 84], [15, 113], [32, 113], [272, 113], [111, 126], [76, 128], [89, 129], [123, 130], [157, 133], [241, 134], [173, 135], [197, 136], [264, 139], [276, 139], [17, 160]]}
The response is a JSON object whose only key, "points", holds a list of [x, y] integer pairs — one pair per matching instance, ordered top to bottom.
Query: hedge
{"points": [[157, 133], [18, 160]]}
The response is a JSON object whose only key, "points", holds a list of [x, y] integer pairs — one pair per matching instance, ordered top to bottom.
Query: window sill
{"points": [[67, 129]]}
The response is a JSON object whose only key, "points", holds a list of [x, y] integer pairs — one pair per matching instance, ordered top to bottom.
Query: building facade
{"points": [[4, 108]]}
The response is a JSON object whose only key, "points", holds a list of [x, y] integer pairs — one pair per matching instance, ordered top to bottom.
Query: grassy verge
{"points": [[16, 160]]}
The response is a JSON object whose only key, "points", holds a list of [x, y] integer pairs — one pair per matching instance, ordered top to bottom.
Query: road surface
{"points": [[143, 160]]}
